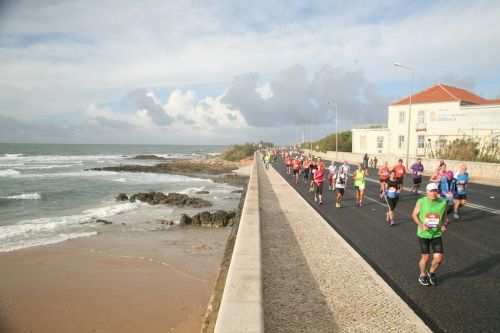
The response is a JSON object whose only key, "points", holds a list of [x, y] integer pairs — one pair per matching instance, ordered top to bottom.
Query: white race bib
{"points": [[432, 220]]}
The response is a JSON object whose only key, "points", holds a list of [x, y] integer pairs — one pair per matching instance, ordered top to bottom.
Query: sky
{"points": [[226, 72]]}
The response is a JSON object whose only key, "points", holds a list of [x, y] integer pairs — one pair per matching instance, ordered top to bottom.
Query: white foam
{"points": [[13, 155], [36, 167], [9, 173], [120, 180], [25, 196], [23, 244]]}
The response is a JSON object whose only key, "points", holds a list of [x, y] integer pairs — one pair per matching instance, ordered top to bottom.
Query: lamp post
{"points": [[397, 64], [310, 131], [336, 131]]}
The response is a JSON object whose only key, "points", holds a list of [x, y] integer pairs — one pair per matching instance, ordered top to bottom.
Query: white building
{"points": [[437, 115]]}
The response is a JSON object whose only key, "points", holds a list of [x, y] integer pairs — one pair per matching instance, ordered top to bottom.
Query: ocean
{"points": [[46, 197]]}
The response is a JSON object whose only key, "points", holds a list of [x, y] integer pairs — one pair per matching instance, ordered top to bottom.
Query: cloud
{"points": [[143, 100], [294, 100]]}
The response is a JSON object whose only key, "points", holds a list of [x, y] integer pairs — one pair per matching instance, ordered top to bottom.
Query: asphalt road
{"points": [[467, 298]]}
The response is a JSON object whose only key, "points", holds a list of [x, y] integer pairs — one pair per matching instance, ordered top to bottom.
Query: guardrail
{"points": [[241, 306]]}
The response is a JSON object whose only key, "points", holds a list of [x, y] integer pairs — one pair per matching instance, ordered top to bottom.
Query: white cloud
{"points": [[57, 57]]}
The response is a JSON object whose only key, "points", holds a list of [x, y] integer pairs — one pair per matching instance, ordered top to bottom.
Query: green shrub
{"points": [[239, 152]]}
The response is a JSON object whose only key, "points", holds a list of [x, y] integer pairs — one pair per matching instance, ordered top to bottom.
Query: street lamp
{"points": [[397, 64], [336, 131], [310, 132]]}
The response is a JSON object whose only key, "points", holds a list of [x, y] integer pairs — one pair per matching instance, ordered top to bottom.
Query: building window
{"points": [[401, 117], [421, 117], [401, 141], [421, 141], [362, 142], [380, 142]]}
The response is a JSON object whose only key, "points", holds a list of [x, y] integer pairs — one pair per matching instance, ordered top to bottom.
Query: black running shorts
{"points": [[435, 243]]}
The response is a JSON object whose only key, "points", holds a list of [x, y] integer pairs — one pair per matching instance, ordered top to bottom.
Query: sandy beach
{"points": [[152, 282]]}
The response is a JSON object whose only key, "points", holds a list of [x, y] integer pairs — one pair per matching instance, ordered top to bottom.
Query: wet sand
{"points": [[154, 282]]}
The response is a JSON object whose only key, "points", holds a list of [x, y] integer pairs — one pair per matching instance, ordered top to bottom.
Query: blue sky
{"points": [[226, 72]]}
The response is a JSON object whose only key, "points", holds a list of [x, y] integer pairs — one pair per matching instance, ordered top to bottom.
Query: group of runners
{"points": [[445, 193]]}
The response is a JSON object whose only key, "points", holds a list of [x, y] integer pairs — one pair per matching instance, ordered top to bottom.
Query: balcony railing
{"points": [[421, 127]]}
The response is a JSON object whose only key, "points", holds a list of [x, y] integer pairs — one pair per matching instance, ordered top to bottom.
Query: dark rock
{"points": [[148, 157], [237, 191], [202, 192], [121, 197], [215, 219], [185, 220], [103, 221], [167, 222]]}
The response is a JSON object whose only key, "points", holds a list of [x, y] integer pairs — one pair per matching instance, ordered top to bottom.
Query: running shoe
{"points": [[315, 199], [320, 202], [360, 204], [337, 205], [456, 215], [391, 223], [432, 278], [424, 280]]}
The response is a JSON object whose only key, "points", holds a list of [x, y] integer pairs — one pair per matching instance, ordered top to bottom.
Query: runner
{"points": [[267, 160], [365, 161], [375, 161], [288, 163], [320, 163], [305, 166], [313, 167], [347, 168], [296, 169], [417, 169], [400, 173], [440, 173], [331, 174], [383, 174], [319, 178], [340, 178], [462, 178], [359, 184], [448, 189], [392, 191], [430, 216]]}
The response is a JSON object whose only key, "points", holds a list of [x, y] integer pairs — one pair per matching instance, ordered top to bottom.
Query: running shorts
{"points": [[295, 171], [383, 180], [399, 180], [417, 181], [319, 188], [359, 188], [340, 190], [461, 196], [392, 203], [435, 243]]}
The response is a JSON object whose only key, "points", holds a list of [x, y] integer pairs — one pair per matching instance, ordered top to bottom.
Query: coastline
{"points": [[157, 281]]}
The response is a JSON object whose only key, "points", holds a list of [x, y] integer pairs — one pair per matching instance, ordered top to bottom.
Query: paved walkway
{"points": [[312, 280]]}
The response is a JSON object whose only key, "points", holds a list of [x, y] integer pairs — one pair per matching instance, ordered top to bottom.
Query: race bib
{"points": [[400, 171], [419, 173], [461, 188], [391, 190], [448, 195], [432, 220]]}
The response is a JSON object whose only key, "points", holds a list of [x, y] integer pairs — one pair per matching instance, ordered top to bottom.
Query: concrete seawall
{"points": [[241, 305]]}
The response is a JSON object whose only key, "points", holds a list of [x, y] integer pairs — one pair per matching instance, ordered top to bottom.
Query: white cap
{"points": [[432, 186]]}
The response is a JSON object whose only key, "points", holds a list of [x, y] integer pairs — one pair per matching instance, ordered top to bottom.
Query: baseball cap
{"points": [[431, 187]]}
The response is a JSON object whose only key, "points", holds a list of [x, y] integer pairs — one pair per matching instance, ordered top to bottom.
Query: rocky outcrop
{"points": [[149, 157], [208, 165], [202, 192], [121, 197], [174, 199], [217, 219], [167, 222]]}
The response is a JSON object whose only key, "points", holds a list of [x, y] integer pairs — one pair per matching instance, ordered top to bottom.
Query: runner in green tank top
{"points": [[359, 177], [430, 216]]}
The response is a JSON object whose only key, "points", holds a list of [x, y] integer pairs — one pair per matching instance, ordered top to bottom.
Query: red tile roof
{"points": [[443, 93]]}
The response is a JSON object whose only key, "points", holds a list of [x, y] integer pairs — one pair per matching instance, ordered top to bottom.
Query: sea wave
{"points": [[13, 155], [9, 173], [25, 196], [23, 244]]}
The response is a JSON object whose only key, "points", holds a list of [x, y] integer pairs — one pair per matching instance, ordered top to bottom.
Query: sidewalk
{"points": [[313, 281]]}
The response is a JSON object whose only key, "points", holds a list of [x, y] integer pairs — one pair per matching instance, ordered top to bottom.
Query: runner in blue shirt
{"points": [[417, 171], [462, 178]]}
